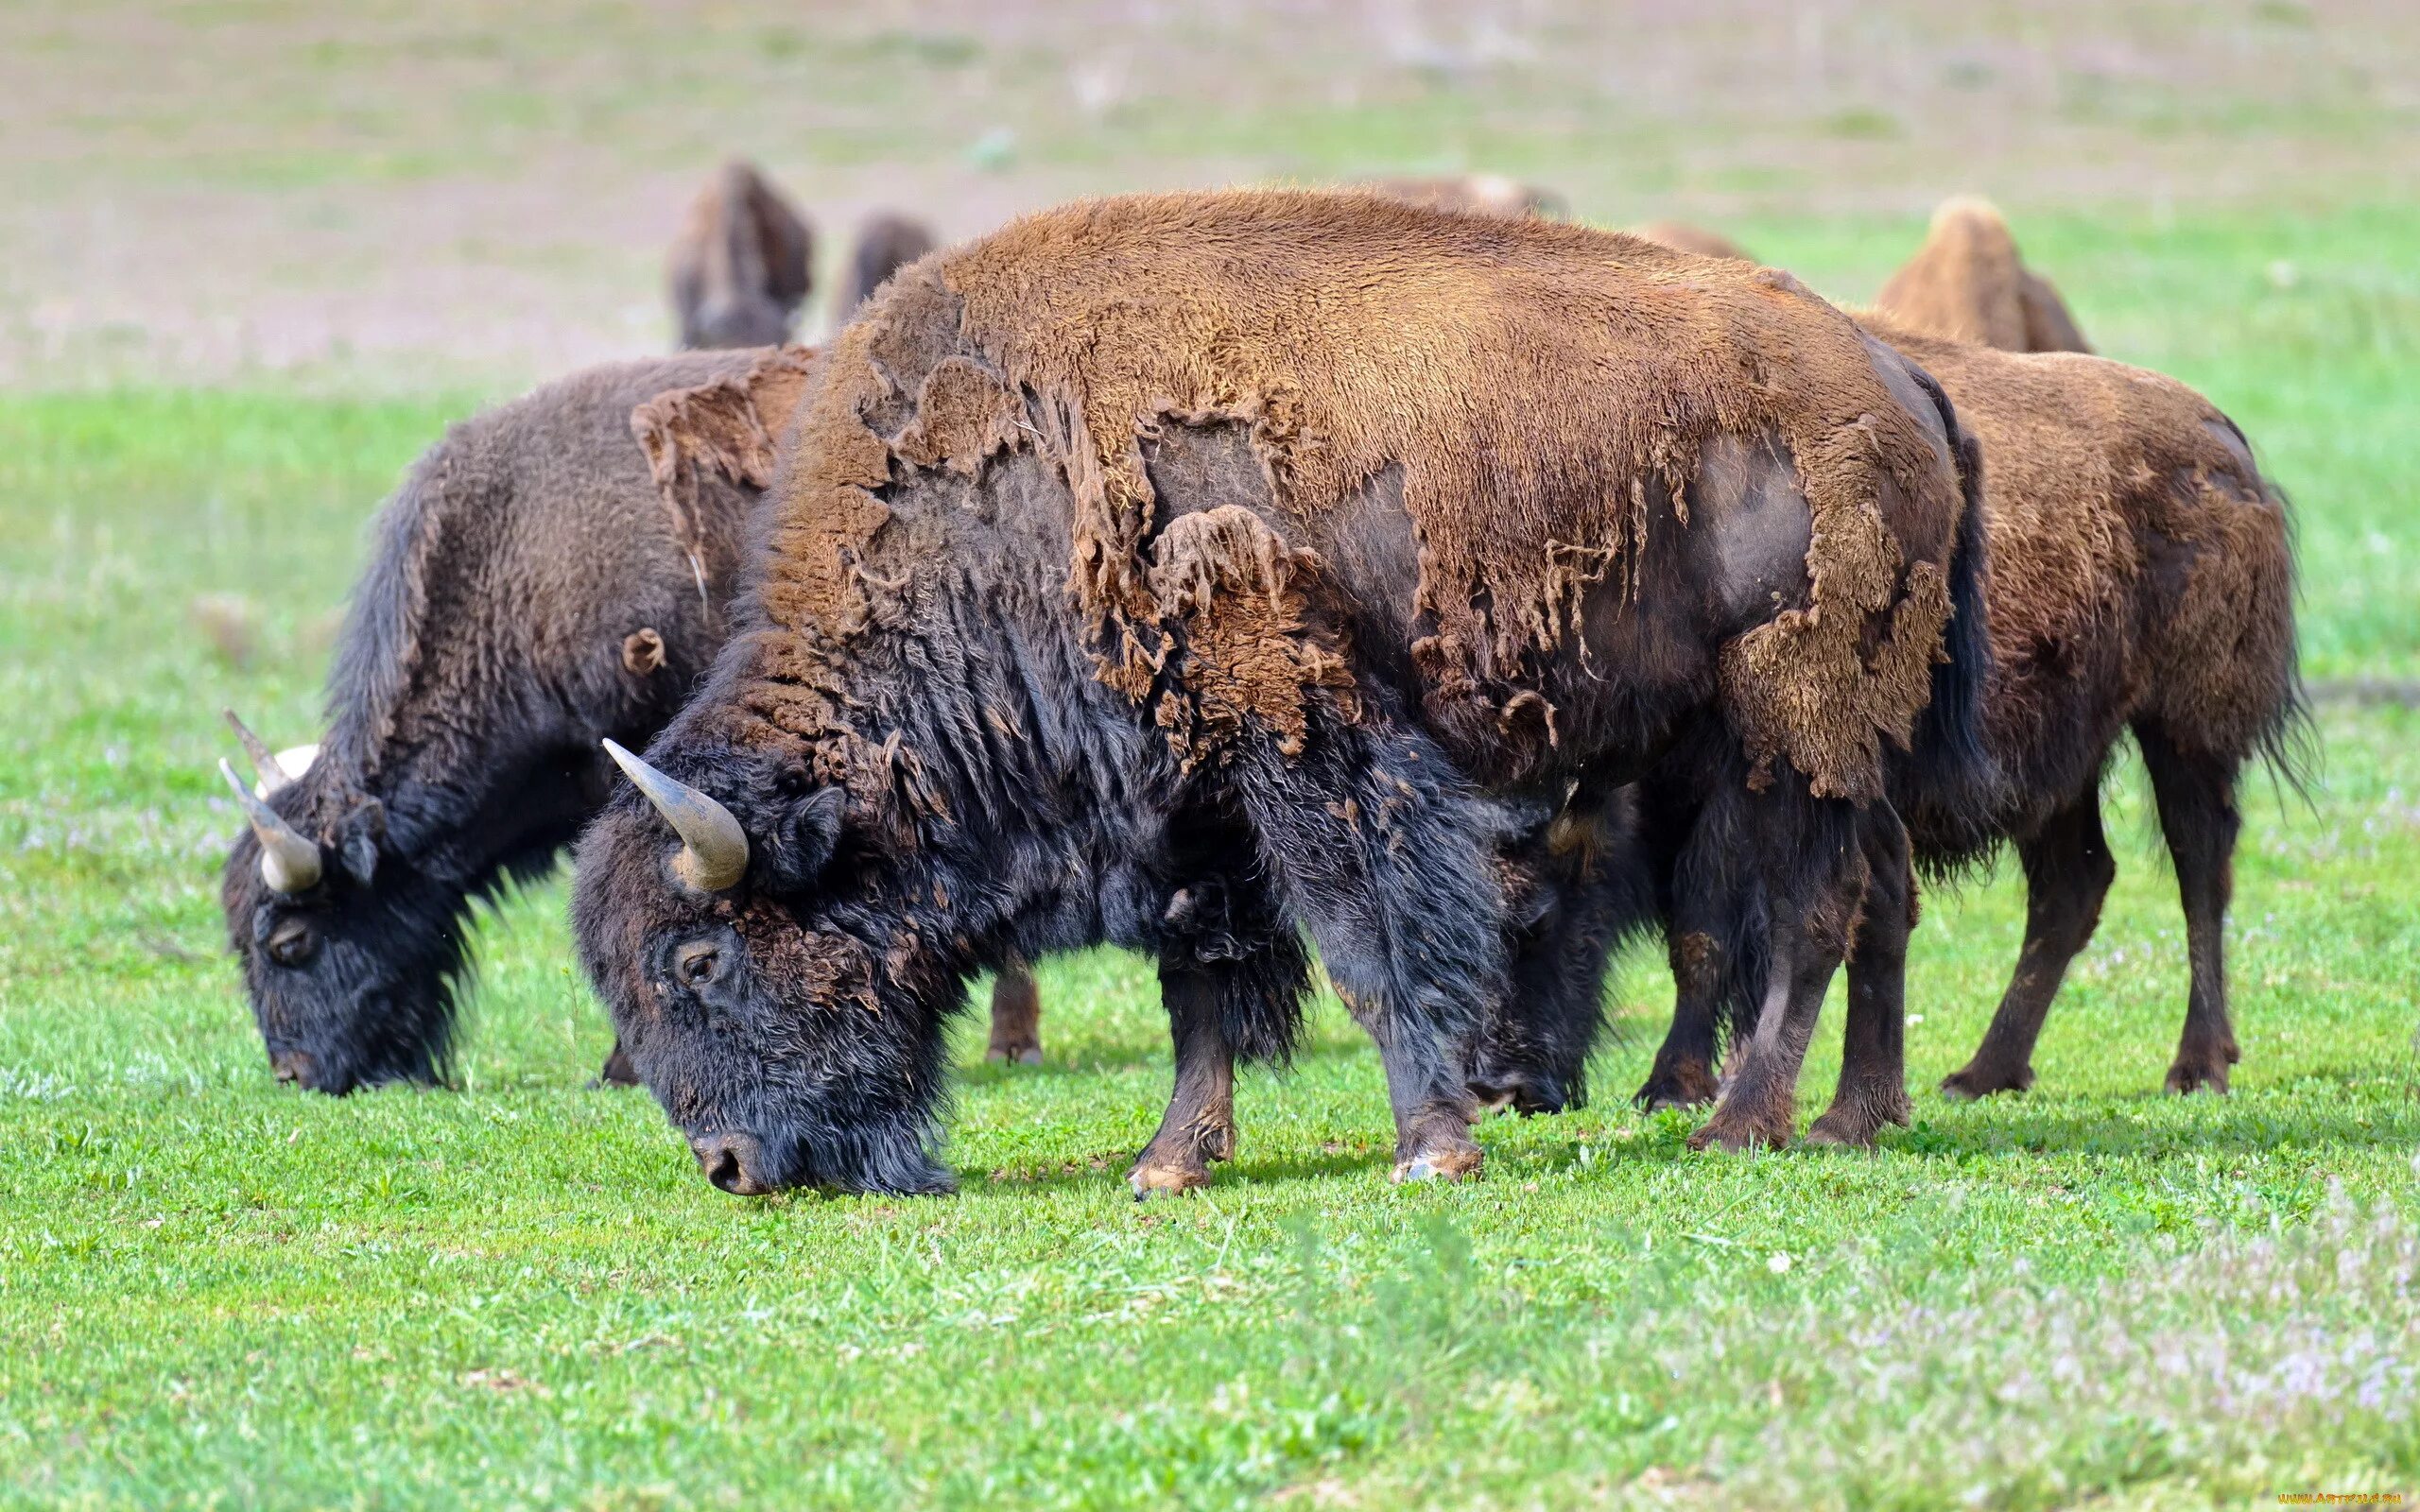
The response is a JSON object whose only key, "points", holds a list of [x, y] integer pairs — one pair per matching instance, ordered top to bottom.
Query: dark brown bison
{"points": [[886, 242], [742, 265], [1328, 528], [2139, 580], [529, 592]]}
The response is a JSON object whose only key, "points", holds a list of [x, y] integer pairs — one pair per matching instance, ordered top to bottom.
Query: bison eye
{"points": [[292, 943], [697, 964]]}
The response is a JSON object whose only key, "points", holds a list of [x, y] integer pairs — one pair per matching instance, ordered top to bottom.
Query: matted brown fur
{"points": [[1967, 283], [1507, 368], [729, 426], [2092, 470]]}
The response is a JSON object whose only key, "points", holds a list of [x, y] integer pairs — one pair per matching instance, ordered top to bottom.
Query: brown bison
{"points": [[1683, 237], [886, 242], [742, 263], [1968, 284], [1323, 528], [2140, 578]]}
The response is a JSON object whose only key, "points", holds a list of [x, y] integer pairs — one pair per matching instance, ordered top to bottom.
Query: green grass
{"points": [[214, 1291]]}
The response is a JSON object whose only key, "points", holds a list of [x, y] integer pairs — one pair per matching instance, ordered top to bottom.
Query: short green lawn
{"points": [[214, 1291]]}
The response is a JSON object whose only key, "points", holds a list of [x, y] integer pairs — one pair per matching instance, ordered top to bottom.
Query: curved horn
{"points": [[265, 766], [714, 848], [289, 864]]}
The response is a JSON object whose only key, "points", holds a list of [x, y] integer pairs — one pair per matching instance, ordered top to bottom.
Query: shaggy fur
{"points": [[886, 242], [742, 263], [1968, 284], [1351, 527], [527, 593]]}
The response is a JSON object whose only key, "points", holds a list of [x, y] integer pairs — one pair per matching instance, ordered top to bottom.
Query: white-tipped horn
{"points": [[270, 772], [714, 848], [289, 863]]}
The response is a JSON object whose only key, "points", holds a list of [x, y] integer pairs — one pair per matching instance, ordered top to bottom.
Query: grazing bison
{"points": [[886, 242], [741, 265], [1968, 284], [1331, 527], [2140, 579], [528, 593]]}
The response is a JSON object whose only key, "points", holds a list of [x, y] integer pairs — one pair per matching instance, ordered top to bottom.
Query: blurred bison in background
{"points": [[1476, 193], [1683, 237], [886, 242], [741, 265], [1968, 284], [1086, 531], [530, 592]]}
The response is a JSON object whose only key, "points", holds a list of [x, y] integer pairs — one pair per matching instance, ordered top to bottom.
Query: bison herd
{"points": [[1404, 575]]}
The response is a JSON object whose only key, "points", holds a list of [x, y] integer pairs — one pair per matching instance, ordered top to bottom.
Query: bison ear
{"points": [[805, 833], [357, 838]]}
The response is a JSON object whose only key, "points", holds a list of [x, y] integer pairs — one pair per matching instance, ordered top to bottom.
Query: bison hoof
{"points": [[1024, 1054], [2190, 1077], [1975, 1082], [1684, 1086], [1853, 1126], [1740, 1134], [1440, 1166], [1154, 1180]]}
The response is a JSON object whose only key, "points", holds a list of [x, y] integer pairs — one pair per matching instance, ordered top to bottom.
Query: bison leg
{"points": [[2197, 814], [1389, 863], [2067, 872], [1813, 876], [1016, 1017], [1873, 1058], [616, 1072], [1683, 1075], [1200, 1125]]}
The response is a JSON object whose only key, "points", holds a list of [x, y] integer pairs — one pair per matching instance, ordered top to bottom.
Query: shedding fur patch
{"points": [[1526, 380], [728, 426], [1229, 590]]}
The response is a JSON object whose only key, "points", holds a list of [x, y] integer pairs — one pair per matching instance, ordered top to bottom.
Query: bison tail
{"points": [[2288, 740], [1950, 781]]}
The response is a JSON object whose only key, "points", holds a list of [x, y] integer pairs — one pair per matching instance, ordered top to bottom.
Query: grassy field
{"points": [[214, 1291]]}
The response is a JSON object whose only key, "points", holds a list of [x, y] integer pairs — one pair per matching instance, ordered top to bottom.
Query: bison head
{"points": [[349, 963], [791, 1028]]}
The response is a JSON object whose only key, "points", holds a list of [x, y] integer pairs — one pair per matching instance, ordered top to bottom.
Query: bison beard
{"points": [[1347, 530]]}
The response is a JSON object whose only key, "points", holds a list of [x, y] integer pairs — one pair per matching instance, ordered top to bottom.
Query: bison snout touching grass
{"points": [[1334, 530]]}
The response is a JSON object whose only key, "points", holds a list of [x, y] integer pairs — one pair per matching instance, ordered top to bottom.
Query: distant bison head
{"points": [[740, 268]]}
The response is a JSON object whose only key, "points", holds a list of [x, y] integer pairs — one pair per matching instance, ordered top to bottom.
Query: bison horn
{"points": [[273, 774], [714, 848], [289, 864]]}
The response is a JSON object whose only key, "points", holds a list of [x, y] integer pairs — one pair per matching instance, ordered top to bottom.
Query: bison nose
{"points": [[293, 1065], [731, 1162]]}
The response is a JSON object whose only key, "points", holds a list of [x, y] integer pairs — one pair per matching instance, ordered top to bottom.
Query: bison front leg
{"points": [[1387, 859], [1813, 876], [1016, 1017], [1873, 1058], [1200, 1125]]}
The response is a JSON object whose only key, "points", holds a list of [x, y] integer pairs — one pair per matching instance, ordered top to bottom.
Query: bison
{"points": [[1473, 194], [1683, 237], [886, 242], [742, 263], [1968, 284], [1332, 528], [2140, 579], [528, 592]]}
